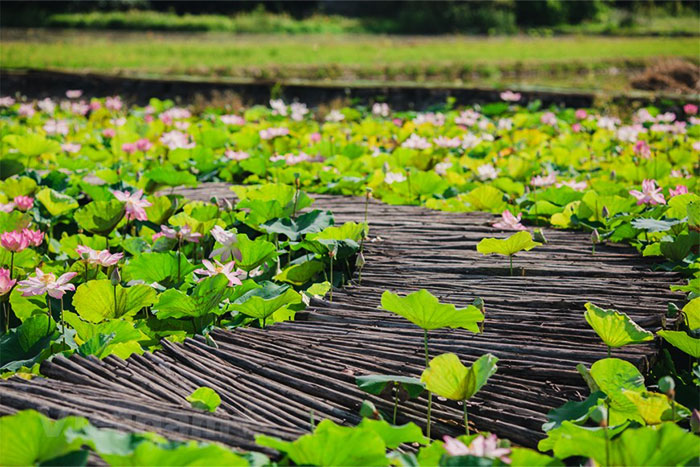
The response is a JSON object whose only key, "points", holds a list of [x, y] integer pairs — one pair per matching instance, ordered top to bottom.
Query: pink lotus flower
{"points": [[74, 93], [510, 96], [7, 101], [113, 103], [95, 105], [380, 109], [690, 109], [26, 110], [581, 114], [548, 118], [232, 120], [56, 127], [576, 127], [109, 132], [270, 133], [315, 137], [177, 140], [416, 142], [143, 144], [71, 147], [129, 148], [642, 149], [236, 155], [487, 172], [394, 177], [540, 181], [578, 186], [680, 190], [650, 194], [24, 203], [135, 204], [7, 207], [509, 222], [185, 233], [156, 236], [34, 237], [14, 241], [228, 241], [102, 258], [210, 269], [6, 283], [46, 283], [481, 446]]}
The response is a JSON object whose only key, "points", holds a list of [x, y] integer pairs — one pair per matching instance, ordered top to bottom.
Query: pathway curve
{"points": [[270, 380]]}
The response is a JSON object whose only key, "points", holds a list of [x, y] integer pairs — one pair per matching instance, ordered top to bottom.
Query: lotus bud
{"points": [[612, 175], [228, 205], [605, 212], [539, 236], [595, 237], [360, 260], [115, 277], [479, 303], [672, 310], [667, 386], [600, 415], [695, 421]]}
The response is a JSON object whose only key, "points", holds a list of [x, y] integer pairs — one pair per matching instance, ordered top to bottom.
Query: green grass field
{"points": [[573, 61]]}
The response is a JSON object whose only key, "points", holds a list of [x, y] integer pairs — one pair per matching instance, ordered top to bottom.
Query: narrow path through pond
{"points": [[270, 380]]}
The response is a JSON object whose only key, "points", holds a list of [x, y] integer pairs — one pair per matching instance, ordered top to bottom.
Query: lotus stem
{"points": [[408, 179], [296, 197], [179, 245], [510, 259], [12, 263], [86, 271], [331, 290], [48, 314], [63, 326], [609, 352], [430, 394], [396, 401], [466, 418], [605, 432]]}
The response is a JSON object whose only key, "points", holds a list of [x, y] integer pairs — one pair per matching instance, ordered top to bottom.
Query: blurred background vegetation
{"points": [[672, 17], [589, 44]]}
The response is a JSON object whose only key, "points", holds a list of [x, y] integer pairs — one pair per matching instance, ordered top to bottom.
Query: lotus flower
{"points": [[74, 93], [510, 96], [7, 101], [114, 103], [380, 109], [690, 109], [26, 110], [581, 114], [548, 118], [232, 120], [109, 132], [270, 133], [177, 140], [416, 142], [143, 144], [71, 147], [129, 148], [642, 149], [236, 155], [487, 172], [392, 177], [540, 181], [578, 186], [680, 190], [650, 194], [134, 204], [509, 222], [185, 233], [34, 237], [14, 241], [228, 241], [102, 258], [212, 269], [6, 283], [46, 283], [481, 446]]}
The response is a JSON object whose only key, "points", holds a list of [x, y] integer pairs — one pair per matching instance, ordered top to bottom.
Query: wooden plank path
{"points": [[271, 380]]}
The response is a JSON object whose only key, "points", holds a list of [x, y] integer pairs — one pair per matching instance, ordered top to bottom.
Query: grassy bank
{"points": [[577, 61]]}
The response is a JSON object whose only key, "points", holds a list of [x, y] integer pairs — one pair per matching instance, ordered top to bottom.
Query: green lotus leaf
{"points": [[32, 145], [10, 166], [167, 176], [21, 186], [56, 203], [160, 210], [694, 214], [100, 217], [14, 220], [310, 222], [654, 225], [348, 231], [521, 241], [679, 247], [254, 253], [157, 267], [299, 274], [204, 299], [94, 301], [262, 307], [425, 311], [692, 313], [614, 327], [683, 341], [26, 344], [613, 375], [447, 377], [377, 384], [204, 398], [654, 407], [573, 411], [395, 435], [30, 438], [570, 439], [667, 444], [331, 445], [173, 453], [531, 458]]}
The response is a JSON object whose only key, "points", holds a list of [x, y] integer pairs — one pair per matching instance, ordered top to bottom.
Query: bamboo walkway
{"points": [[274, 380]]}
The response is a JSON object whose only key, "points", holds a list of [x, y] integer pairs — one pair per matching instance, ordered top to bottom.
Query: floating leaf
{"points": [[56, 203], [100, 217], [521, 241], [95, 300], [425, 311], [614, 327], [683, 341], [446, 376], [377, 384], [204, 398]]}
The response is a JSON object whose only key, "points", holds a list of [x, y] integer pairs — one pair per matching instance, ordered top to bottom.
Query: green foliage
{"points": [[521, 241], [95, 300], [425, 311], [614, 327], [446, 376], [204, 398]]}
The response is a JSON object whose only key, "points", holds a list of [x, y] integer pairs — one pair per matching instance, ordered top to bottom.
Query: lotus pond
{"points": [[100, 257]]}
